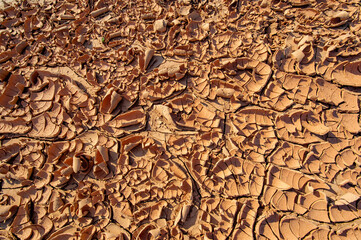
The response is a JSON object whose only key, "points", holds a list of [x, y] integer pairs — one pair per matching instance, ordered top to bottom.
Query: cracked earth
{"points": [[180, 119]]}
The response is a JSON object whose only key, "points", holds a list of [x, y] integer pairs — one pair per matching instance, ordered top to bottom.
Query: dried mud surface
{"points": [[180, 120]]}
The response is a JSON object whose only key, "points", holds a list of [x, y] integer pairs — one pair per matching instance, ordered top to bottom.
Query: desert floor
{"points": [[180, 119]]}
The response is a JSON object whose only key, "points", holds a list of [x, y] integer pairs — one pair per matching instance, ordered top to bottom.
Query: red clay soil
{"points": [[180, 119]]}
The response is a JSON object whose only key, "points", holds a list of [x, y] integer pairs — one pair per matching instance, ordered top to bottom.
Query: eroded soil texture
{"points": [[180, 120]]}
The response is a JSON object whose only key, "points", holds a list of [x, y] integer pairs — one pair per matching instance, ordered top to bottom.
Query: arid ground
{"points": [[180, 119]]}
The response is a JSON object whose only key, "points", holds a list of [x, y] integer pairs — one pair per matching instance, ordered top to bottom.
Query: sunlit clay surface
{"points": [[180, 119]]}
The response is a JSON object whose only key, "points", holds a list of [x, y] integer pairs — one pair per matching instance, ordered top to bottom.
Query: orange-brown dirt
{"points": [[180, 119]]}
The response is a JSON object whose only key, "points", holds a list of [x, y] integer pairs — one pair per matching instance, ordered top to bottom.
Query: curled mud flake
{"points": [[264, 3], [301, 3], [99, 12], [148, 16], [67, 17], [338, 19], [160, 25], [196, 31], [114, 35], [219, 45], [235, 45], [21, 46], [183, 51], [260, 52], [298, 55], [5, 56], [144, 59], [283, 63], [172, 70], [347, 73], [4, 74], [39, 80], [256, 80], [201, 86], [298, 87], [161, 90], [12, 91], [225, 92], [328, 92], [46, 94], [276, 97], [110, 101], [349, 102], [182, 103], [40, 107], [256, 115], [206, 117], [161, 119], [133, 120], [311, 122], [351, 123], [16, 126], [44, 127], [291, 128], [250, 129], [211, 139], [130, 142], [180, 145], [356, 145], [55, 151], [7, 152], [32, 154], [288, 154], [347, 158], [85, 163], [76, 164], [100, 168], [20, 172], [228, 172], [159, 174], [284, 179], [281, 200], [56, 202], [316, 204], [345, 208], [155, 210], [7, 211], [214, 213], [183, 214], [22, 215], [120, 217], [246, 219], [268, 226], [296, 228], [34, 230], [113, 231], [144, 231], [65, 232], [87, 232], [350, 232], [320, 233]]}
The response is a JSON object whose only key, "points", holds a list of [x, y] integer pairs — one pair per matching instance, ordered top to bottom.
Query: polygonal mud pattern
{"points": [[180, 119]]}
